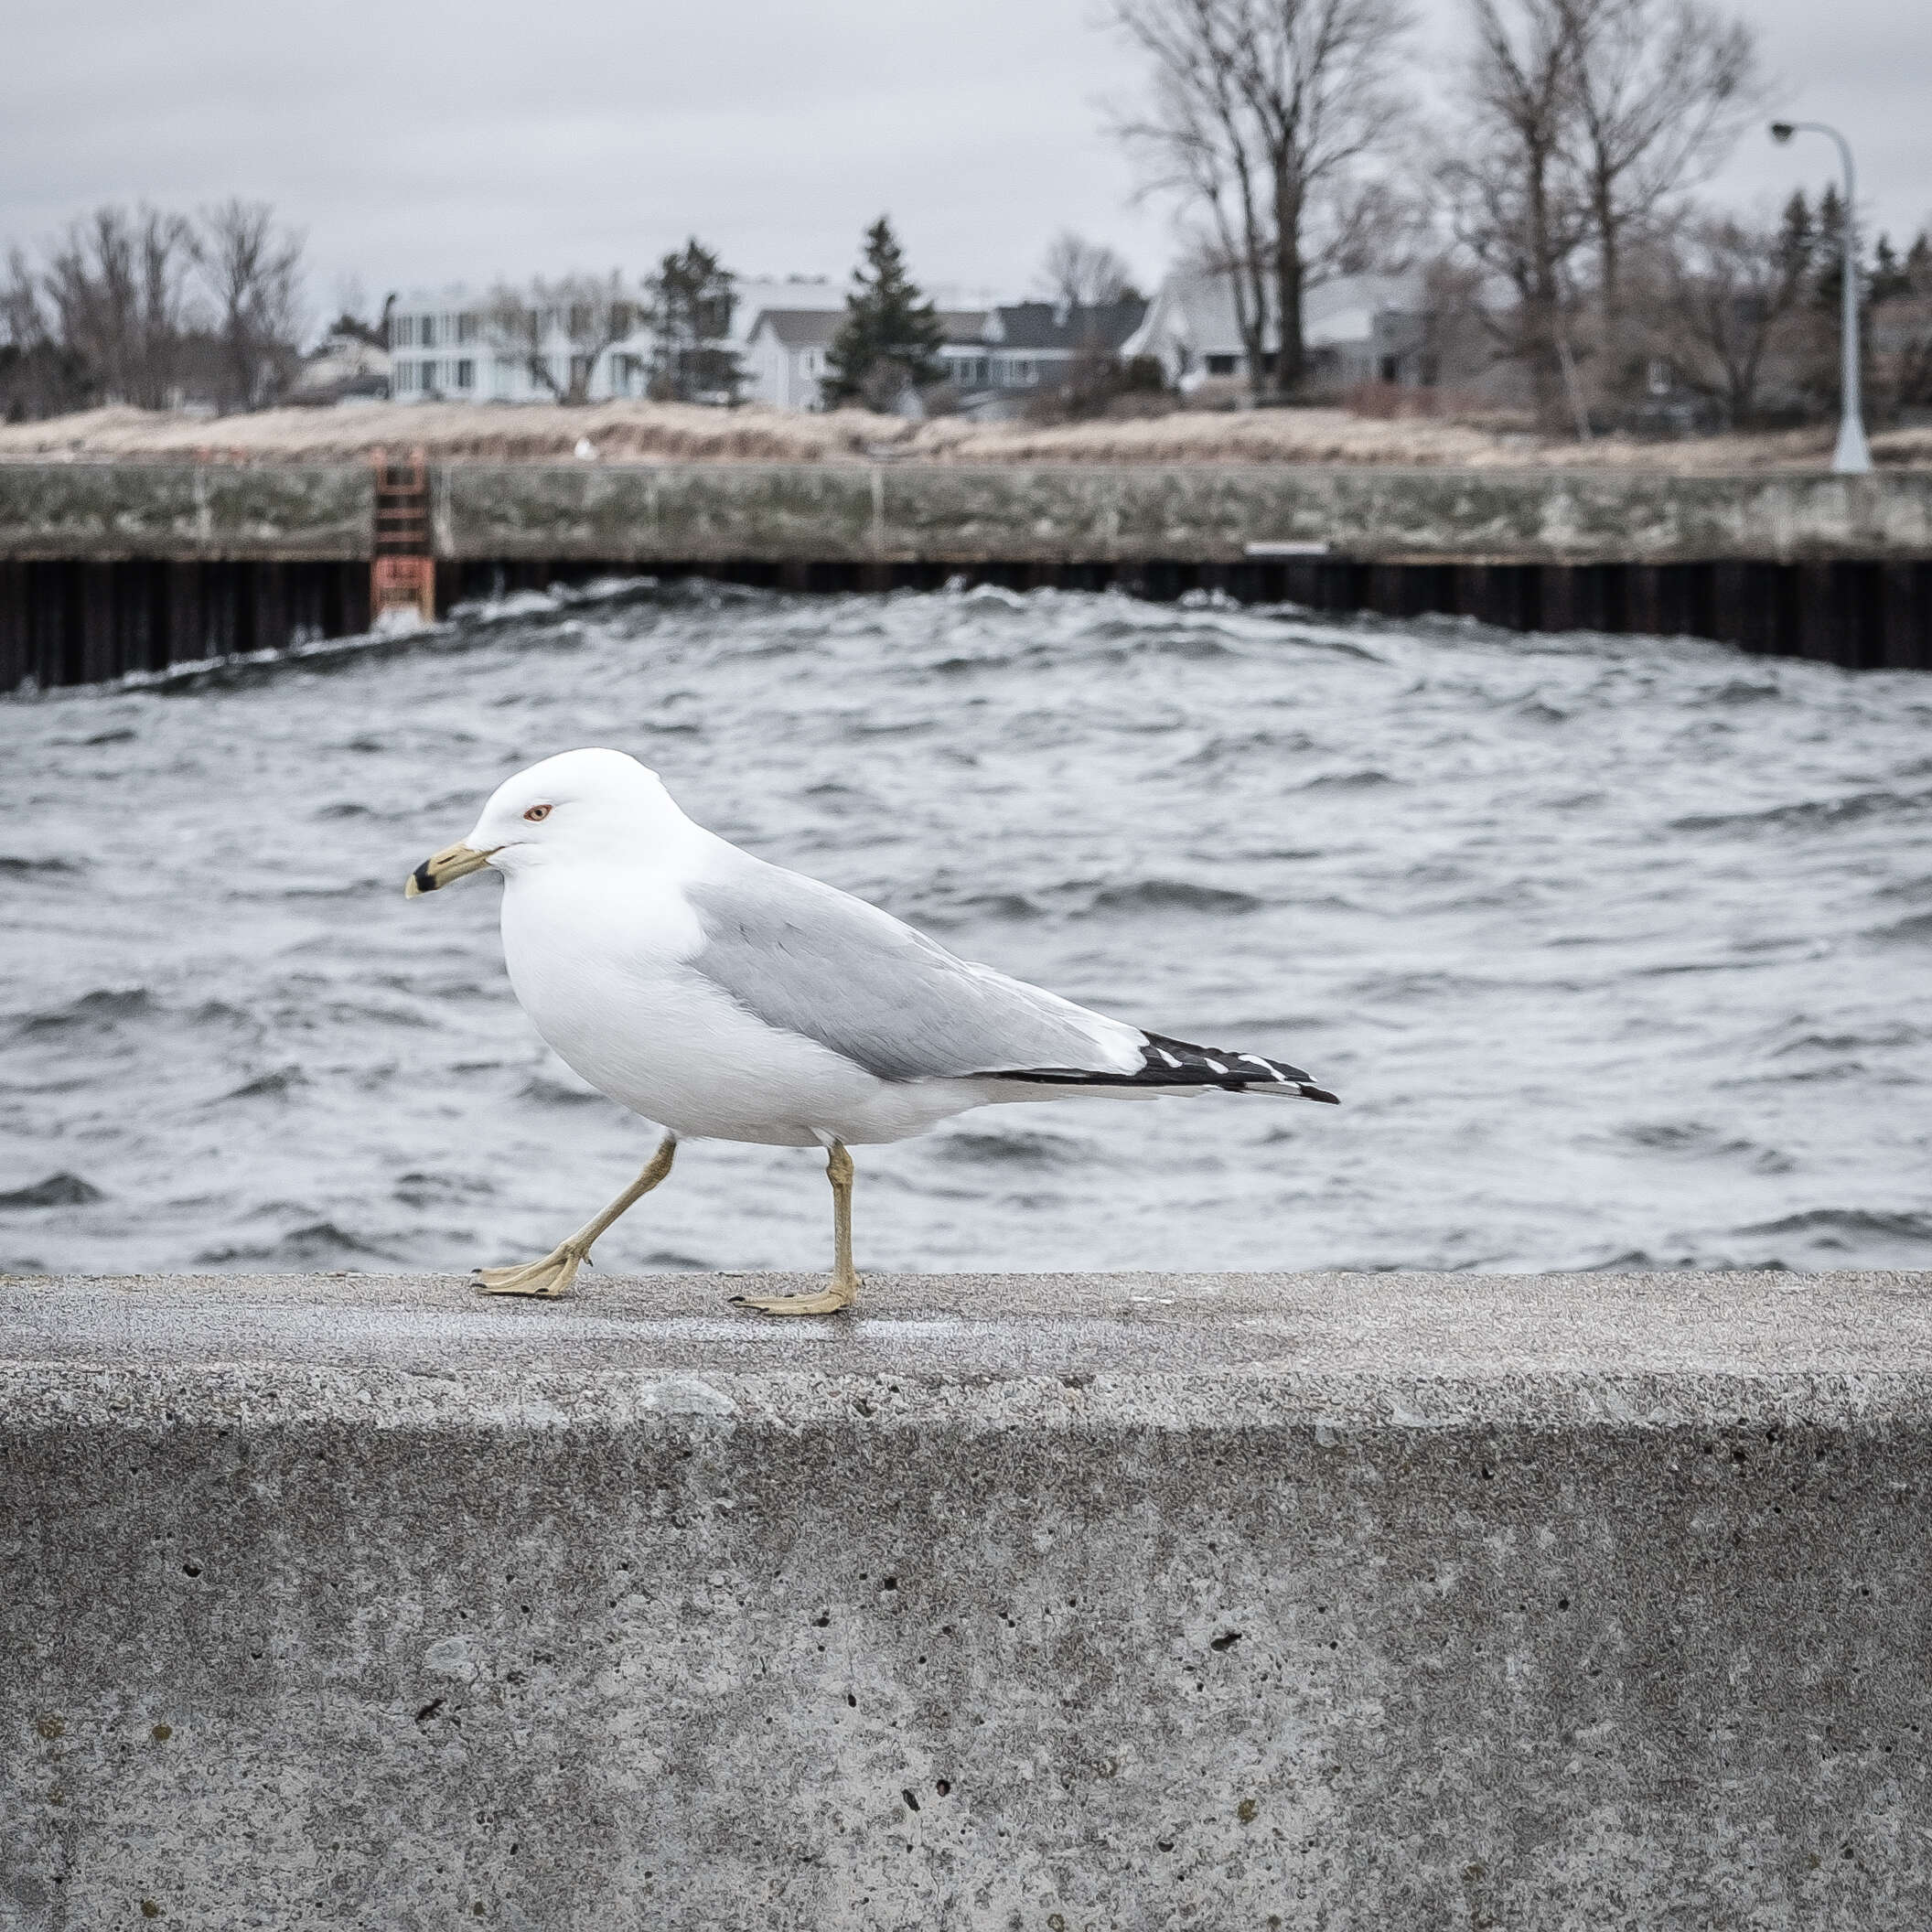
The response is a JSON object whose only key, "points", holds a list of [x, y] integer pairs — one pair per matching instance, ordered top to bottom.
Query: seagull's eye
{"points": [[537, 815]]}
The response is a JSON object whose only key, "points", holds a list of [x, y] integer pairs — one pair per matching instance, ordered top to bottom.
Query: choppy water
{"points": [[1616, 948]]}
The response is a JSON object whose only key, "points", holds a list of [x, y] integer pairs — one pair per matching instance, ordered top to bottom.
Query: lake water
{"points": [[1616, 948]]}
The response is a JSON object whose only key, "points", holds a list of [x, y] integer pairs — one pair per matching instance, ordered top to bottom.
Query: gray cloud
{"points": [[419, 144]]}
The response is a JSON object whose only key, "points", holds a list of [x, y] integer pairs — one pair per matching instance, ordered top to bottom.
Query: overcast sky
{"points": [[419, 144]]}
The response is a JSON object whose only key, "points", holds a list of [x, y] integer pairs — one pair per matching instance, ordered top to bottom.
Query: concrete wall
{"points": [[103, 511], [939, 512], [1192, 512], [1265, 1602]]}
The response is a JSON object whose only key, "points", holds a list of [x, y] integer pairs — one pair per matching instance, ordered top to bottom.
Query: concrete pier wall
{"points": [[184, 511], [961, 513], [1191, 513], [106, 569], [1272, 1601]]}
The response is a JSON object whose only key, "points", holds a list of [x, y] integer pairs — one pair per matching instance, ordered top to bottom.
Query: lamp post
{"points": [[1852, 457]]}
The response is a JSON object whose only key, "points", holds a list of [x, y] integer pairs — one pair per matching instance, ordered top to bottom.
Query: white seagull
{"points": [[728, 999]]}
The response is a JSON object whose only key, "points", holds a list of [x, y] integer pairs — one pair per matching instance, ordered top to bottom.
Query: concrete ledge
{"points": [[186, 511], [961, 514], [1376, 1602]]}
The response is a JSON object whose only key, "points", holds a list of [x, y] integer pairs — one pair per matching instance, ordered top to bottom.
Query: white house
{"points": [[1356, 329], [440, 344], [441, 348], [784, 356], [994, 357]]}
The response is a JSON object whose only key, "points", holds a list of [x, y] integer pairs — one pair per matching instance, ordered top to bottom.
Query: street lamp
{"points": [[1852, 457]]}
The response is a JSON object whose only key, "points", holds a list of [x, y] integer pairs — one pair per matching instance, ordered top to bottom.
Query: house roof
{"points": [[963, 325], [1054, 325], [801, 328]]}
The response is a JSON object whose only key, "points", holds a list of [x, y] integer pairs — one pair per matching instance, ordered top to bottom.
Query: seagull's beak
{"points": [[441, 867]]}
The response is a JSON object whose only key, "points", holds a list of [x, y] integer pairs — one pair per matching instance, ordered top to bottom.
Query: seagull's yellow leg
{"points": [[553, 1274], [843, 1290]]}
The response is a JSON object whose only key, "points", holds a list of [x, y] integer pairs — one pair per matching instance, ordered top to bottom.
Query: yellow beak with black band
{"points": [[441, 867]]}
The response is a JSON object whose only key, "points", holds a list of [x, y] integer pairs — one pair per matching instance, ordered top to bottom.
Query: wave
{"points": [[1229, 750], [1349, 781], [1809, 813], [11, 866], [1173, 895], [1011, 907], [1915, 931], [105, 1007], [1885, 1037], [267, 1086], [548, 1092], [1696, 1140], [1034, 1152], [418, 1189], [58, 1191], [1843, 1227], [306, 1247]]}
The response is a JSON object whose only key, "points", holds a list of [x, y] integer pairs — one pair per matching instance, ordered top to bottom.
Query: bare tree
{"points": [[1661, 88], [1265, 115], [1517, 199], [252, 269], [1080, 274], [116, 284], [1735, 292], [587, 314], [24, 319], [1901, 324], [37, 376]]}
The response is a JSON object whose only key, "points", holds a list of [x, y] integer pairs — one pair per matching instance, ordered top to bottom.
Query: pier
{"points": [[107, 569]]}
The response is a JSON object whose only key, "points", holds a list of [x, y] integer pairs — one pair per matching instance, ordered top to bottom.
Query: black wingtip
{"points": [[424, 878], [1321, 1094]]}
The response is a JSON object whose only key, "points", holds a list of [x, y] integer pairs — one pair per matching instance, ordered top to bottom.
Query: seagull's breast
{"points": [[601, 967]]}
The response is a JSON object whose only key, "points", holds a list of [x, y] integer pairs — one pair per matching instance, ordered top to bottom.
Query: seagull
{"points": [[725, 998]]}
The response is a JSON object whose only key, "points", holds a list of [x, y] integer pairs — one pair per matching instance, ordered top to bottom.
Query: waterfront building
{"points": [[1355, 329], [442, 348]]}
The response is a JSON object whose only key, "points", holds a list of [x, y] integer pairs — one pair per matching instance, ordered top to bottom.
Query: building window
{"points": [[466, 329], [402, 331], [426, 335], [1223, 365], [466, 374], [405, 378]]}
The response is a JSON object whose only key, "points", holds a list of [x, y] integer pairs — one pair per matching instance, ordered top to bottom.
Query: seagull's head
{"points": [[593, 804]]}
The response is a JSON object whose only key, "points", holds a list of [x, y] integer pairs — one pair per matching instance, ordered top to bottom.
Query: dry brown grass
{"points": [[458, 431], [671, 433]]}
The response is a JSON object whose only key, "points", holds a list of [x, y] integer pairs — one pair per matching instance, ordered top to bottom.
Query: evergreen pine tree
{"points": [[1890, 277], [1828, 285], [691, 301], [890, 336]]}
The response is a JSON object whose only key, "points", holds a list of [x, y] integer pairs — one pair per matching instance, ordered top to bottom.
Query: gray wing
{"points": [[810, 958]]}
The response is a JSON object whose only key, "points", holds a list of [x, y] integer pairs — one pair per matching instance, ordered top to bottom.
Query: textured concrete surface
{"points": [[183, 510], [1200, 512], [966, 513], [1576, 1601]]}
